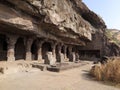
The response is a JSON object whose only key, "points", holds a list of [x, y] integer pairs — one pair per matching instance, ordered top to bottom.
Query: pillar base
{"points": [[10, 55], [28, 56], [39, 57], [72, 57], [11, 59], [62, 59], [41, 61]]}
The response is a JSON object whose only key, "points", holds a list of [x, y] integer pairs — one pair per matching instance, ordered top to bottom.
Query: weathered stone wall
{"points": [[54, 19], [64, 24], [112, 42], [102, 44], [97, 45], [111, 48], [20, 49]]}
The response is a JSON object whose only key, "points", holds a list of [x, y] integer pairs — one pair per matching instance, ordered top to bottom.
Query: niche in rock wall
{"points": [[46, 47], [20, 49], [62, 49], [34, 50], [67, 52], [87, 54]]}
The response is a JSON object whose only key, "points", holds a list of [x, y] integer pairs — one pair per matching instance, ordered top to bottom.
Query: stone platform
{"points": [[26, 66], [59, 66]]}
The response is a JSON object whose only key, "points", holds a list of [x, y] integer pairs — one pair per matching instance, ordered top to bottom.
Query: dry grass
{"points": [[107, 72]]}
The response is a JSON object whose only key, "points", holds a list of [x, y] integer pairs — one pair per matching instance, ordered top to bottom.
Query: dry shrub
{"points": [[96, 71], [107, 72]]}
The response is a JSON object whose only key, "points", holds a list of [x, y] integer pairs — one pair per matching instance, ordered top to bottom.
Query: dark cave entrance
{"points": [[46, 47], [3, 48], [20, 49], [34, 50], [89, 53]]}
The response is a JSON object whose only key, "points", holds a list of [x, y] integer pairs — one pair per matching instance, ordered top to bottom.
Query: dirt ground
{"points": [[73, 79]]}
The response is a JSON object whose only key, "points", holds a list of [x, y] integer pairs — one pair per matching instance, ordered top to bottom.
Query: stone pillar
{"points": [[11, 40], [53, 46], [28, 49], [40, 50], [65, 52], [70, 53], [60, 55], [77, 56], [73, 57]]}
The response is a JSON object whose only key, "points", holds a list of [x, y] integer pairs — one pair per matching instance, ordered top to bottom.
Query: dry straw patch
{"points": [[107, 72]]}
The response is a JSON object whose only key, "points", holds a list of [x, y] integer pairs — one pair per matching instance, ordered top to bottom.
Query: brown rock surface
{"points": [[53, 19], [113, 42]]}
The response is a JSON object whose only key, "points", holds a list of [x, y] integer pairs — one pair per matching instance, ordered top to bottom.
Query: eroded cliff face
{"points": [[68, 21], [112, 42]]}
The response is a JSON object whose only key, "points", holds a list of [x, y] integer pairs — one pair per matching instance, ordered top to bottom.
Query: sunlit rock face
{"points": [[67, 21]]}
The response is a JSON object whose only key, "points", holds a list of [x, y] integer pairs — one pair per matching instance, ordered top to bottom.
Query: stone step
{"points": [[63, 66], [42, 67]]}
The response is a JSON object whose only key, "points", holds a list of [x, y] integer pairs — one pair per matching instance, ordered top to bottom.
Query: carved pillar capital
{"points": [[11, 39], [40, 43], [53, 44], [59, 47], [70, 49]]}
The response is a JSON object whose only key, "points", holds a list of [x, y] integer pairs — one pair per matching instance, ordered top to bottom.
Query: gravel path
{"points": [[74, 79]]}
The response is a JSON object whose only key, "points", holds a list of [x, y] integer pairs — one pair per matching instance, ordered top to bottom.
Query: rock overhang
{"points": [[67, 21]]}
